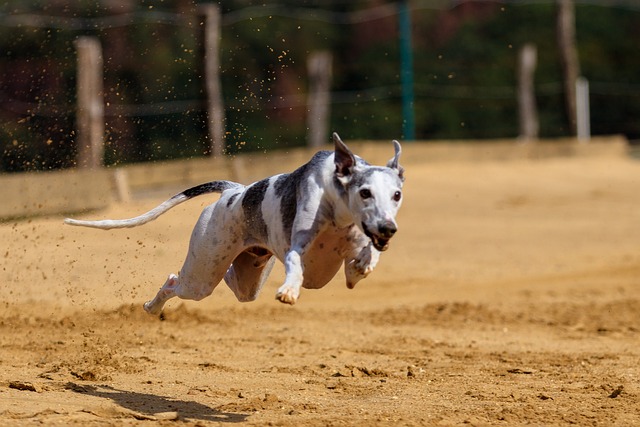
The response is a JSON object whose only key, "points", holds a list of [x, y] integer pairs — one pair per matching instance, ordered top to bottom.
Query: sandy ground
{"points": [[510, 296]]}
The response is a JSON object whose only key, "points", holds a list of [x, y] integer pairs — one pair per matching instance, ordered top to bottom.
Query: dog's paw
{"points": [[365, 262], [361, 266], [363, 269], [354, 273], [166, 292], [287, 295], [152, 309]]}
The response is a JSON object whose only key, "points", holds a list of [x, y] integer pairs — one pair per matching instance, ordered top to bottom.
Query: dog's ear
{"points": [[344, 158], [394, 163]]}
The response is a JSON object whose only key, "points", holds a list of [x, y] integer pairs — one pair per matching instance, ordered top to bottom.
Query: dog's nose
{"points": [[387, 229]]}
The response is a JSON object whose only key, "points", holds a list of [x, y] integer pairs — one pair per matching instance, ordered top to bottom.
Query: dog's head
{"points": [[374, 193]]}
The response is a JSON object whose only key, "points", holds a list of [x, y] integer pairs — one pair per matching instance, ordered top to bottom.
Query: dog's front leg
{"points": [[293, 265], [361, 265], [290, 291]]}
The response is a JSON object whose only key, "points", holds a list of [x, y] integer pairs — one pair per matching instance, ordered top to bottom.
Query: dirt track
{"points": [[510, 296]]}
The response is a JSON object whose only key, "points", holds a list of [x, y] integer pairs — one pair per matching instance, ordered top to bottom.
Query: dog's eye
{"points": [[365, 194], [397, 196]]}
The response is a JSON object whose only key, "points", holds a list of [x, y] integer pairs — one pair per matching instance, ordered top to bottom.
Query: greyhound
{"points": [[335, 209]]}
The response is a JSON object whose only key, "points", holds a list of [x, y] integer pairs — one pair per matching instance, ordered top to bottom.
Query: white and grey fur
{"points": [[332, 210]]}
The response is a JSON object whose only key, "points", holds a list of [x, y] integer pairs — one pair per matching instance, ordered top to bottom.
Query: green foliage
{"points": [[464, 73]]}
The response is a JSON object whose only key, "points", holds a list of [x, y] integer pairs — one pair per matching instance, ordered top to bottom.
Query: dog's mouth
{"points": [[380, 243]]}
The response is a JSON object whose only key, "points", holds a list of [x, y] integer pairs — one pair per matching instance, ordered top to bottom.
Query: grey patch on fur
{"points": [[361, 162], [360, 178], [209, 187], [286, 187], [286, 190], [232, 198], [252, 207]]}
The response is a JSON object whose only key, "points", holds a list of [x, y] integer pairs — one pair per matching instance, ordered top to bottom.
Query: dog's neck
{"points": [[337, 196], [343, 217]]}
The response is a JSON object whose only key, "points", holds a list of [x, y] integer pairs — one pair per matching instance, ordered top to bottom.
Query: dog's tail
{"points": [[209, 187]]}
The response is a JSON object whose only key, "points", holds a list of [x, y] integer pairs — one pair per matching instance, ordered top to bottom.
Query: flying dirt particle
{"points": [[413, 371], [615, 393]]}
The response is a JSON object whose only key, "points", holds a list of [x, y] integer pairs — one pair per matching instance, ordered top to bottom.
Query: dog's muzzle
{"points": [[384, 233]]}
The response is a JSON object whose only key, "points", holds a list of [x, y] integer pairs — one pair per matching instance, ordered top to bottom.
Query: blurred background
{"points": [[425, 70]]}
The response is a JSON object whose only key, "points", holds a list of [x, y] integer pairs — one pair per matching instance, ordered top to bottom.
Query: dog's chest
{"points": [[331, 243], [325, 256]]}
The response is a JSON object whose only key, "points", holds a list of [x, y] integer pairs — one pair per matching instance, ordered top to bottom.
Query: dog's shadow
{"points": [[146, 406]]}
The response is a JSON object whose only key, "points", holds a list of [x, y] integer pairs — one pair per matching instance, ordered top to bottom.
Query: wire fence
{"points": [[368, 92], [371, 94], [294, 100]]}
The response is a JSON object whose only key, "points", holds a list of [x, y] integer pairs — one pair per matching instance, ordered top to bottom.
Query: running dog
{"points": [[335, 209]]}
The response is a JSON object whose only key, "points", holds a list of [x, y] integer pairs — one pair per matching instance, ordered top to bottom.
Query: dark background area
{"points": [[464, 71]]}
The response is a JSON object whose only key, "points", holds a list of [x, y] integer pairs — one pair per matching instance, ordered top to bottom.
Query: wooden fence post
{"points": [[566, 34], [527, 59], [319, 97], [90, 104], [215, 106], [583, 115]]}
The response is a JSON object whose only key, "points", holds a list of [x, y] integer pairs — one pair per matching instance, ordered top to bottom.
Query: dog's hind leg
{"points": [[209, 257], [248, 273], [192, 283], [165, 293]]}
